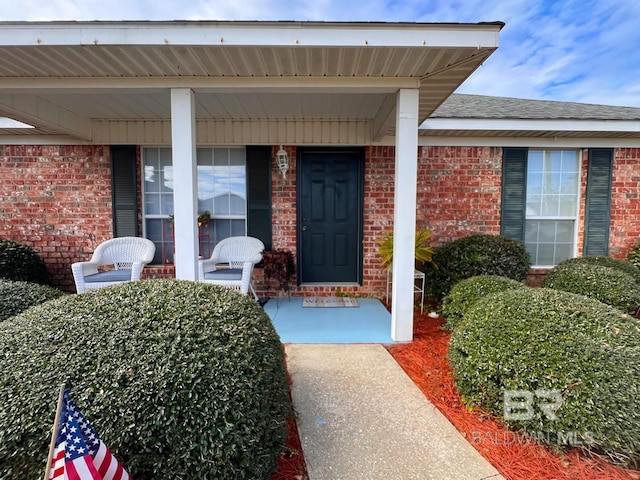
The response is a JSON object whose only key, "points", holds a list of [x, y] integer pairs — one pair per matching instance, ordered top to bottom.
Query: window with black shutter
{"points": [[124, 191], [234, 191], [514, 193], [259, 194], [540, 201], [598, 202]]}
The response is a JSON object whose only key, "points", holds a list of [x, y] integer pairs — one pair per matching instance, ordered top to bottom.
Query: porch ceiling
{"points": [[79, 79]]}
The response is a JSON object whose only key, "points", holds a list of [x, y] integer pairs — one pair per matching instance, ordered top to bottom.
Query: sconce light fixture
{"points": [[282, 159]]}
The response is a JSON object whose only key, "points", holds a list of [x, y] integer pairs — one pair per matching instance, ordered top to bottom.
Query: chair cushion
{"points": [[225, 274], [109, 276]]}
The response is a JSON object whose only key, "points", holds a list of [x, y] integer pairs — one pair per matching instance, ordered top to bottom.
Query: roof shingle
{"points": [[486, 107]]}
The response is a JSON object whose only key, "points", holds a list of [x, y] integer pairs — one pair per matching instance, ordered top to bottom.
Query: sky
{"points": [[573, 50]]}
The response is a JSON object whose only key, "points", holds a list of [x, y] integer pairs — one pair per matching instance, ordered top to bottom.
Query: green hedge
{"points": [[475, 255], [634, 256], [21, 263], [618, 264], [609, 285], [466, 293], [16, 297], [541, 339], [180, 379]]}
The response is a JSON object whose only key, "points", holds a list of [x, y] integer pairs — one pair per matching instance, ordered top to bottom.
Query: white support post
{"points": [[185, 183], [404, 215]]}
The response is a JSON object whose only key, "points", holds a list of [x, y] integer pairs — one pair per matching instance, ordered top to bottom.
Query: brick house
{"points": [[139, 126]]}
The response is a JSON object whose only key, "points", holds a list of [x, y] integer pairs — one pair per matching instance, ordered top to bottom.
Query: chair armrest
{"points": [[206, 266], [84, 268], [80, 270], [136, 270], [247, 270]]}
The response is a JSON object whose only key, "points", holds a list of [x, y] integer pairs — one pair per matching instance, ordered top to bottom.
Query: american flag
{"points": [[79, 454]]}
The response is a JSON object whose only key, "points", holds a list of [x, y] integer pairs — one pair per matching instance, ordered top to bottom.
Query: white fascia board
{"points": [[271, 34], [208, 85], [531, 125], [531, 142]]}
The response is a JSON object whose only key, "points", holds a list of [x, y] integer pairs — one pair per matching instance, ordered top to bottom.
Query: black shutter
{"points": [[124, 191], [514, 193], [259, 194], [598, 202]]}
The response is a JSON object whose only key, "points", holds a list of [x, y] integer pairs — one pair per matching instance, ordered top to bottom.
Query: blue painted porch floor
{"points": [[370, 322]]}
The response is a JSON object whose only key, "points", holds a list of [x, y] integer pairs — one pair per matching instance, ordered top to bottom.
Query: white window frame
{"points": [[146, 216], [576, 218]]}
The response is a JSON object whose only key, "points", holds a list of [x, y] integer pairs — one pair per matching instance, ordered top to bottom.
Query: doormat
{"points": [[328, 302]]}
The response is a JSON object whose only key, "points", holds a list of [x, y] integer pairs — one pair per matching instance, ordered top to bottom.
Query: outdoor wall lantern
{"points": [[282, 159]]}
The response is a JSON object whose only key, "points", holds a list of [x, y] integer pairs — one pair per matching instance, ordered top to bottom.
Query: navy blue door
{"points": [[330, 215]]}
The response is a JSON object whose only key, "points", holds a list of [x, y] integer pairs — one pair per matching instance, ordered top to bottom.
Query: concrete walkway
{"points": [[361, 417]]}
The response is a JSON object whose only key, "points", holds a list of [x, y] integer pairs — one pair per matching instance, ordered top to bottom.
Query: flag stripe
{"points": [[79, 454], [57, 464], [82, 469]]}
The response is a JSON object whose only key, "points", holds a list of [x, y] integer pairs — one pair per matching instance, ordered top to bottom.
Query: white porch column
{"points": [[185, 182], [404, 214]]}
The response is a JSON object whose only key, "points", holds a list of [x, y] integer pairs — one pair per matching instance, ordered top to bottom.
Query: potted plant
{"points": [[204, 218], [423, 252], [279, 266]]}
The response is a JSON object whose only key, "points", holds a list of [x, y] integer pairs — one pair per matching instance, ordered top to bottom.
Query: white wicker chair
{"points": [[127, 254], [239, 255]]}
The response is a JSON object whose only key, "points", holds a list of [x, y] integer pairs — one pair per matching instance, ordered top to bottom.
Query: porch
{"points": [[184, 85], [369, 322]]}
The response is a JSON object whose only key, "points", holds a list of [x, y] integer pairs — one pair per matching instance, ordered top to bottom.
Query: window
{"points": [[222, 186], [222, 191], [552, 199], [539, 204]]}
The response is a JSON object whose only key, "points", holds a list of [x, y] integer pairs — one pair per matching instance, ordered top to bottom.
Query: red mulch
{"points": [[425, 361], [291, 464]]}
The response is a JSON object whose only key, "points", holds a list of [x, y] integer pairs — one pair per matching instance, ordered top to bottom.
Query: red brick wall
{"points": [[459, 191], [583, 196], [57, 200], [625, 206], [378, 216]]}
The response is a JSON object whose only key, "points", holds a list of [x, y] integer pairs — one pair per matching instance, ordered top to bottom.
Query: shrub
{"points": [[422, 254], [475, 255], [634, 256], [19, 262], [618, 264], [606, 284], [466, 293], [18, 296], [540, 339], [180, 379]]}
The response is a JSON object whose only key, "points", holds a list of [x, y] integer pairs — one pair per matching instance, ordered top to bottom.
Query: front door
{"points": [[330, 215]]}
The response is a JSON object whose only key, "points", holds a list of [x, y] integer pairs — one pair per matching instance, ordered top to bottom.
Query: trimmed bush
{"points": [[475, 255], [634, 256], [19, 262], [618, 264], [606, 284], [466, 293], [16, 297], [540, 339], [180, 379]]}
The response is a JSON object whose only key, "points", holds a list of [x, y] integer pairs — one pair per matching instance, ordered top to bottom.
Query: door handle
{"points": [[304, 228]]}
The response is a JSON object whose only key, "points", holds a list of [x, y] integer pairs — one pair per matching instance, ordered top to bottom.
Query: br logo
{"points": [[521, 404]]}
